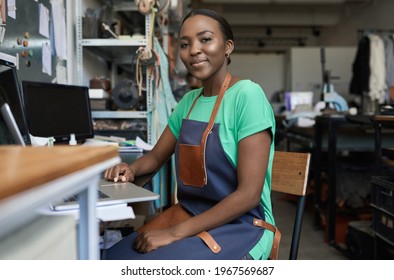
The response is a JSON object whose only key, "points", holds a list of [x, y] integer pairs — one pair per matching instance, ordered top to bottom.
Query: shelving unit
{"points": [[117, 53], [382, 190], [382, 203]]}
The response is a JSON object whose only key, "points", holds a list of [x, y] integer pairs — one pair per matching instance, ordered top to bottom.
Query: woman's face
{"points": [[203, 47]]}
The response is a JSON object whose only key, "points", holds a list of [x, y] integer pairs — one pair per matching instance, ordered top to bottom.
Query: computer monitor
{"points": [[10, 92], [56, 110], [9, 130]]}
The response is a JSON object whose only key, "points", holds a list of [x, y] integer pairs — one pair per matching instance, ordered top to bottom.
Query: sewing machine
{"points": [[331, 97], [334, 102]]}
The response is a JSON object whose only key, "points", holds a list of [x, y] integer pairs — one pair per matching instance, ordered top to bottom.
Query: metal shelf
{"points": [[122, 5], [114, 42], [117, 53], [119, 114]]}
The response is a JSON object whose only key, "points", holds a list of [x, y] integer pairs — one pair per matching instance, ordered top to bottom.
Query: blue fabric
{"points": [[162, 105], [192, 248]]}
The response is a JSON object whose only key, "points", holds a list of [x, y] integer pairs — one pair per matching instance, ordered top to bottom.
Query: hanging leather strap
{"points": [[277, 236], [210, 242]]}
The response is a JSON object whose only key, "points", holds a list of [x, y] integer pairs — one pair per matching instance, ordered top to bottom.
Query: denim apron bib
{"points": [[205, 177]]}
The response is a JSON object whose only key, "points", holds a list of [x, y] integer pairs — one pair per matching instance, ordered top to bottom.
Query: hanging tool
{"points": [[107, 28]]}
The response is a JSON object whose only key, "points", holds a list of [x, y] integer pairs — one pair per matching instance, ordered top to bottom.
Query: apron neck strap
{"points": [[222, 90], [215, 110], [207, 131]]}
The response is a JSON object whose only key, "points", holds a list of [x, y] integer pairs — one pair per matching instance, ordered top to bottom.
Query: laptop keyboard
{"points": [[75, 197]]}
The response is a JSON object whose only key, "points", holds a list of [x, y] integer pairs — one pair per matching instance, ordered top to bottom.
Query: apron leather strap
{"points": [[204, 138], [277, 236], [209, 241], [215, 247]]}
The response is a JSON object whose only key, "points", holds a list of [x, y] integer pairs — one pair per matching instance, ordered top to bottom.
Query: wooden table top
{"points": [[389, 118], [23, 168]]}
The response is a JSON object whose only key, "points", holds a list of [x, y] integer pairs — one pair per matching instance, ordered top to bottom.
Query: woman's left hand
{"points": [[150, 240]]}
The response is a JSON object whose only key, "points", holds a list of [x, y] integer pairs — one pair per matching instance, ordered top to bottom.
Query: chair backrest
{"points": [[290, 175]]}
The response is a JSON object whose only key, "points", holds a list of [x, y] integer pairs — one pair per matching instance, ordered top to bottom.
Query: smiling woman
{"points": [[205, 46], [222, 137]]}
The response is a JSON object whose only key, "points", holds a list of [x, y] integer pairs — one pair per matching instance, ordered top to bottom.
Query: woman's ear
{"points": [[229, 47]]}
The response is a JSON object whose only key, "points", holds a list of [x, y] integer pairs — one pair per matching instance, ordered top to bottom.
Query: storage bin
{"points": [[382, 194], [383, 225], [359, 239]]}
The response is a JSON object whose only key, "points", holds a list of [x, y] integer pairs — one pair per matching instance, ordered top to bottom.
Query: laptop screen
{"points": [[10, 91], [55, 110]]}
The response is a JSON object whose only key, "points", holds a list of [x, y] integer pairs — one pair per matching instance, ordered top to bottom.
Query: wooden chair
{"points": [[290, 175]]}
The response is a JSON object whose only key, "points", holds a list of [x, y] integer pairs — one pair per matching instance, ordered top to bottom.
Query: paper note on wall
{"points": [[11, 4], [44, 21], [59, 26], [2, 33], [46, 59], [61, 74]]}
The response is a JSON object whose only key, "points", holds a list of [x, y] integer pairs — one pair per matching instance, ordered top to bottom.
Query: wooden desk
{"points": [[32, 177]]}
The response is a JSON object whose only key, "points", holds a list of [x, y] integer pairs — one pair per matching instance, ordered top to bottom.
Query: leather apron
{"points": [[216, 179]]}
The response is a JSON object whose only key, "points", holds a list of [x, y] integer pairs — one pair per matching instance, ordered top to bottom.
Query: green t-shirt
{"points": [[244, 111]]}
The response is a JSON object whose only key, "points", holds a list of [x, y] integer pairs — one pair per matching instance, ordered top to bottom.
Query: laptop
{"points": [[11, 93], [11, 133], [110, 193]]}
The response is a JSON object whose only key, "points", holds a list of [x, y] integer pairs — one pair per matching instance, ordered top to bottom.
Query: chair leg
{"points": [[295, 240]]}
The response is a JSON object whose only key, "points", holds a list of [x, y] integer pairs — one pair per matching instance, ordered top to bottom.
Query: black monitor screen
{"points": [[10, 92], [55, 110]]}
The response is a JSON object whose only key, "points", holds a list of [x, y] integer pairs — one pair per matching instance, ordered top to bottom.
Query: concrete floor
{"points": [[312, 245]]}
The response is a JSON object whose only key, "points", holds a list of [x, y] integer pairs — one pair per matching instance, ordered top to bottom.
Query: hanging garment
{"points": [[389, 58], [377, 78], [359, 83], [162, 105]]}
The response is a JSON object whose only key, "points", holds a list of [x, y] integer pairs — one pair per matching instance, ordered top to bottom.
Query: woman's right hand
{"points": [[120, 172]]}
